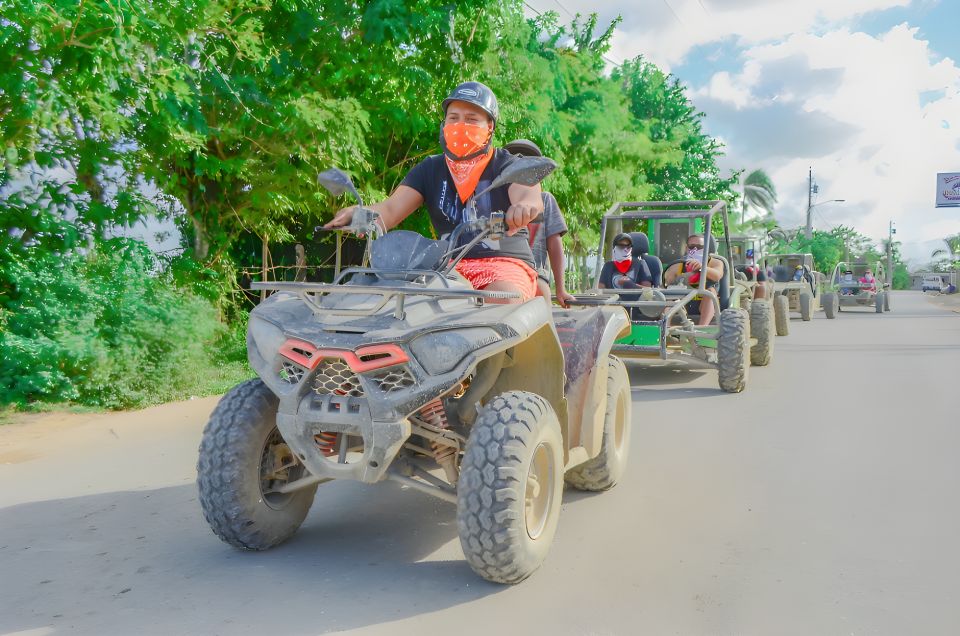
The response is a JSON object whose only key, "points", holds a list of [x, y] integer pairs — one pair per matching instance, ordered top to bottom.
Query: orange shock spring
{"points": [[434, 414], [327, 442]]}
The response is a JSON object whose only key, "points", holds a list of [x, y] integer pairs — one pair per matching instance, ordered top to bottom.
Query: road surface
{"points": [[823, 500]]}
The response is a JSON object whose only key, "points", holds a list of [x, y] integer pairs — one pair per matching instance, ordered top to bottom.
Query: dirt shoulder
{"points": [[948, 301], [57, 454]]}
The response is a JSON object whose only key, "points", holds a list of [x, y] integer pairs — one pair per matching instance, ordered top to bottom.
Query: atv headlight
{"points": [[265, 337], [441, 351]]}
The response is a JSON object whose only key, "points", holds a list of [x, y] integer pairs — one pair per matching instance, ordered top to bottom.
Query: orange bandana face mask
{"points": [[467, 151]]}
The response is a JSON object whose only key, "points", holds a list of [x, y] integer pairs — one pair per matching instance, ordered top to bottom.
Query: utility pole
{"points": [[809, 231], [891, 231]]}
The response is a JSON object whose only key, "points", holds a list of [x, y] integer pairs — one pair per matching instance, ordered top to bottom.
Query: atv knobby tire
{"points": [[886, 301], [831, 302], [878, 302], [806, 306], [781, 314], [761, 328], [733, 349], [240, 441], [515, 451], [604, 471]]}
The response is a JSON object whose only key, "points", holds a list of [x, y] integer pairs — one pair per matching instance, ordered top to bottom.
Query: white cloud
{"points": [[876, 116]]}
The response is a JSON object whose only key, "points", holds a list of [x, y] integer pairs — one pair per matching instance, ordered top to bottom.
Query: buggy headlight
{"points": [[441, 351]]}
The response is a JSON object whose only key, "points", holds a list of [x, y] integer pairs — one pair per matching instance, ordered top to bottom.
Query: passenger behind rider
{"points": [[444, 183], [546, 237], [625, 270], [688, 272], [868, 280]]}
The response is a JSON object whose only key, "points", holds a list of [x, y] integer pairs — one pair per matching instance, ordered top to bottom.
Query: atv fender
{"points": [[587, 337]]}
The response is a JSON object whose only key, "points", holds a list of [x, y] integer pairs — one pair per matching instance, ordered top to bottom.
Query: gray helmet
{"points": [[477, 94], [523, 147]]}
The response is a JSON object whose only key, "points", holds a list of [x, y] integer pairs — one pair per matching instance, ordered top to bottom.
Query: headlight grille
{"points": [[335, 377]]}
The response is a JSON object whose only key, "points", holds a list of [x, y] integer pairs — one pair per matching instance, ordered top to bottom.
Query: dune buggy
{"points": [[796, 288], [845, 288], [661, 327], [401, 371]]}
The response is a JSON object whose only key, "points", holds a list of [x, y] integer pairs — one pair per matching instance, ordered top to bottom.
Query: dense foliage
{"points": [[219, 114]]}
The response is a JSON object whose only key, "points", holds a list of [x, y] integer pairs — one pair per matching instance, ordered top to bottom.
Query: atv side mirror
{"points": [[526, 171], [337, 182]]}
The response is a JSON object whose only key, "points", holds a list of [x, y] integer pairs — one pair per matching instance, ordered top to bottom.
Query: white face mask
{"points": [[622, 253], [694, 255], [868, 276]]}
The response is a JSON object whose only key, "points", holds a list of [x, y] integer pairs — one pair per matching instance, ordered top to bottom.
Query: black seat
{"points": [[641, 247]]}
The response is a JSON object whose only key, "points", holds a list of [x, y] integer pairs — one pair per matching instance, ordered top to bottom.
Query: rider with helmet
{"points": [[445, 182]]}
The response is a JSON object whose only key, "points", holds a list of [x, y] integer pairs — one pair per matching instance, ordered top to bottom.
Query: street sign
{"points": [[948, 190]]}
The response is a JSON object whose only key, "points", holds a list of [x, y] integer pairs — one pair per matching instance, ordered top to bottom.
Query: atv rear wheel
{"points": [[886, 301], [831, 302], [878, 302], [806, 306], [781, 314], [761, 328], [733, 348], [243, 462], [604, 471], [511, 484]]}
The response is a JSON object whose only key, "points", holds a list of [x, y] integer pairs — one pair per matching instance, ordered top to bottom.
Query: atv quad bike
{"points": [[796, 288], [847, 291], [661, 329], [401, 371]]}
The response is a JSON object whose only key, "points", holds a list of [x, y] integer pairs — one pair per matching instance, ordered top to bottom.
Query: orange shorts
{"points": [[484, 271]]}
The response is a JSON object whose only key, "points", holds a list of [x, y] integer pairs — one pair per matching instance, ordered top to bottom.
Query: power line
{"points": [[673, 12]]}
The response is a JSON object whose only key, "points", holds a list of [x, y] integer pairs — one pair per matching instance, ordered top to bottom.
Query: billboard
{"points": [[948, 190]]}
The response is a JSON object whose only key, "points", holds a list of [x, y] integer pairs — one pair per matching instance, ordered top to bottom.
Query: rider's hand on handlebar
{"points": [[519, 216], [341, 218]]}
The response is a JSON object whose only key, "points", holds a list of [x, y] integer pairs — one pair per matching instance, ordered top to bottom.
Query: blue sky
{"points": [[866, 92]]}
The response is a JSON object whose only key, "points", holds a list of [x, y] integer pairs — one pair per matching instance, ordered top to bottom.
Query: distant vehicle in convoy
{"points": [[932, 283], [850, 286], [795, 288]]}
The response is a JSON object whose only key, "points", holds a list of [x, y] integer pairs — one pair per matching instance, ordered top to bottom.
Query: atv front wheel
{"points": [[886, 301], [831, 302], [878, 302], [806, 307], [781, 313], [761, 328], [733, 347], [243, 462], [604, 471], [511, 483]]}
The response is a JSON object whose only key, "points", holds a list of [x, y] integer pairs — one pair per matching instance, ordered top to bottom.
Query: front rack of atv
{"points": [[313, 293]]}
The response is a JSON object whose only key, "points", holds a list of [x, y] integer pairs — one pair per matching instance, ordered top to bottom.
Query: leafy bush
{"points": [[106, 329]]}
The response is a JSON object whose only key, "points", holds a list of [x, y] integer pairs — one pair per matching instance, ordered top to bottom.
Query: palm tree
{"points": [[758, 193], [952, 253]]}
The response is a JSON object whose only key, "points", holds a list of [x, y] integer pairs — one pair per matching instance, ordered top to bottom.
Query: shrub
{"points": [[107, 328]]}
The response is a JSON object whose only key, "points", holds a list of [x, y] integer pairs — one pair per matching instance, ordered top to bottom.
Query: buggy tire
{"points": [[886, 301], [831, 302], [878, 302], [746, 304], [806, 306], [781, 314], [761, 328], [733, 350], [240, 436], [605, 470], [510, 487]]}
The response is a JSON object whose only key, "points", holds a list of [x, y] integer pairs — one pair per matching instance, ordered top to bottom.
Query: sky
{"points": [[864, 92]]}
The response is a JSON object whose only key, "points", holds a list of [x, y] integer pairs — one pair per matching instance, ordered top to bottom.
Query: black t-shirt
{"points": [[431, 178], [639, 272]]}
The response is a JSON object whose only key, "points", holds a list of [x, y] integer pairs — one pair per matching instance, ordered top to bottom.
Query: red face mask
{"points": [[467, 150]]}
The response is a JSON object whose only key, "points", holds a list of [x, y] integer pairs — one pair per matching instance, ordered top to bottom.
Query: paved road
{"points": [[821, 501]]}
